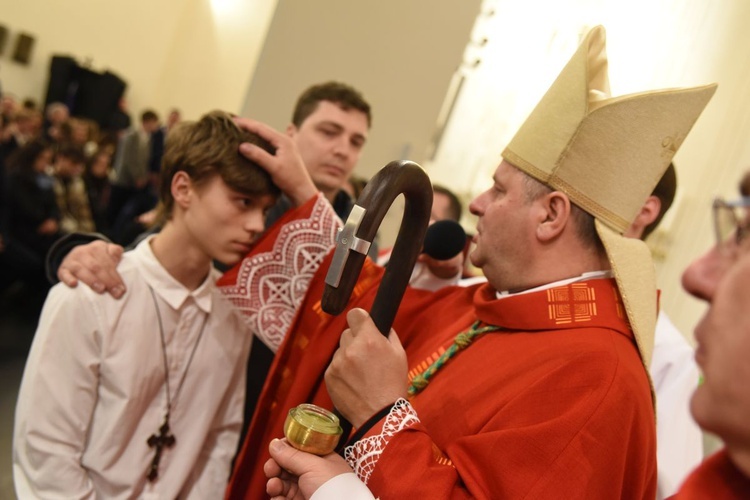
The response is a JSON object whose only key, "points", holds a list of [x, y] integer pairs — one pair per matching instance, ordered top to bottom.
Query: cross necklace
{"points": [[163, 439]]}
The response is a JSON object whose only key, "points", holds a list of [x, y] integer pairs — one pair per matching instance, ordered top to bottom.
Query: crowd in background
{"points": [[61, 174]]}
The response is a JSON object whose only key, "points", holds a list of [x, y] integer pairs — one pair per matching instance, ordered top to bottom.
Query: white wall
{"points": [[399, 54], [196, 55]]}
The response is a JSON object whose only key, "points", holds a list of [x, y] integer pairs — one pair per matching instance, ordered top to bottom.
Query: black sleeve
{"points": [[280, 208], [63, 246]]}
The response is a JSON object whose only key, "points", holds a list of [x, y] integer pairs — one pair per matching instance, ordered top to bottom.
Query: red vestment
{"points": [[556, 404], [717, 477]]}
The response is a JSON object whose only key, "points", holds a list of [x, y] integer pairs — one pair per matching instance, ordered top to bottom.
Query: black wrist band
{"points": [[370, 424]]}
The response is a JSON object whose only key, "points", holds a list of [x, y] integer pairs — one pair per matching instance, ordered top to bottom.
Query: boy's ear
{"points": [[182, 189], [555, 209]]}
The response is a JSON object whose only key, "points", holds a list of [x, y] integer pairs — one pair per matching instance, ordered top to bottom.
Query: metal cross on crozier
{"points": [[159, 441]]}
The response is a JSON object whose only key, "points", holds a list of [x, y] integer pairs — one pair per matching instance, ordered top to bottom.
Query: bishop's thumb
{"points": [[356, 317]]}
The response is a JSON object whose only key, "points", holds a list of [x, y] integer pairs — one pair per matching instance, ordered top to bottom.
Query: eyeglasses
{"points": [[731, 220]]}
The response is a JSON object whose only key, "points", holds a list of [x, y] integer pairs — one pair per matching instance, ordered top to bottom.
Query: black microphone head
{"points": [[444, 240]]}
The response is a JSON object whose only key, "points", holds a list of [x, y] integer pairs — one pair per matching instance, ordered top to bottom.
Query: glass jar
{"points": [[312, 429]]}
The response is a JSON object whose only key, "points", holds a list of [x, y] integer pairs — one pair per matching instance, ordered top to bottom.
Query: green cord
{"points": [[462, 341]]}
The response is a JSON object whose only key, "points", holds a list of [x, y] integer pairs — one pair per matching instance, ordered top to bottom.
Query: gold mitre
{"points": [[607, 154]]}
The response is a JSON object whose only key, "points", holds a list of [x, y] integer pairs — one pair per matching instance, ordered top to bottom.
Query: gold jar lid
{"points": [[312, 429]]}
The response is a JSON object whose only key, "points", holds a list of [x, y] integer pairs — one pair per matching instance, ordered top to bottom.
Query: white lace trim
{"points": [[271, 286], [365, 453]]}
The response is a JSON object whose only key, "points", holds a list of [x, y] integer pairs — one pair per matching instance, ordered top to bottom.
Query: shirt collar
{"points": [[585, 276], [165, 285]]}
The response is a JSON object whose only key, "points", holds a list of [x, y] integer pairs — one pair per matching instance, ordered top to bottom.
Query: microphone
{"points": [[444, 240]]}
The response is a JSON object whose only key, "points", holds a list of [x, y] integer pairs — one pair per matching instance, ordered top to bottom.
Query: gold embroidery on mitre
{"points": [[575, 303]]}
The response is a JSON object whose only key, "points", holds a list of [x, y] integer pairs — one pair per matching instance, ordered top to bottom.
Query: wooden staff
{"points": [[358, 233], [355, 238]]}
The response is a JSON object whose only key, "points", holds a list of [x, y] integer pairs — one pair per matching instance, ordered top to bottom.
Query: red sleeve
{"points": [[270, 283], [552, 440]]}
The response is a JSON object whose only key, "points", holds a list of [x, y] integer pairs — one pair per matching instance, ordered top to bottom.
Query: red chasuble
{"points": [[556, 404], [717, 477]]}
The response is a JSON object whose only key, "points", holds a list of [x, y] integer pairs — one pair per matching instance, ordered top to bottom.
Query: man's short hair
{"points": [[341, 94], [53, 107], [149, 116], [210, 147], [745, 185], [665, 191], [454, 204], [583, 221]]}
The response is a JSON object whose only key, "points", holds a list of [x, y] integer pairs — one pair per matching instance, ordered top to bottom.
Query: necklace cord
{"points": [[170, 401]]}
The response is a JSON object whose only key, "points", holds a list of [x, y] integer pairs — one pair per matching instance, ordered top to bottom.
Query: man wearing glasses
{"points": [[721, 404]]}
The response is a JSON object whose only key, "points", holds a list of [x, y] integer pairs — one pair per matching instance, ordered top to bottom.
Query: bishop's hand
{"points": [[368, 371], [295, 475]]}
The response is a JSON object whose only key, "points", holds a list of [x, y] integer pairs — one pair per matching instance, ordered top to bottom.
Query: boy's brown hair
{"points": [[207, 148]]}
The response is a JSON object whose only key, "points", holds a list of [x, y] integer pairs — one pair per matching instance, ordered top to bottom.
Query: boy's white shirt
{"points": [[93, 390]]}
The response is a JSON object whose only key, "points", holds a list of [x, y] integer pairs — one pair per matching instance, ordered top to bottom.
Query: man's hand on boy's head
{"points": [[286, 167], [95, 264]]}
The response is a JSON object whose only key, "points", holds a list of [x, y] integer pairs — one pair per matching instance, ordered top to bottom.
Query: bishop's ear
{"points": [[555, 210]]}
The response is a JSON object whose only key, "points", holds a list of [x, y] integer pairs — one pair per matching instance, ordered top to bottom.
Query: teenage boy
{"points": [[142, 397]]}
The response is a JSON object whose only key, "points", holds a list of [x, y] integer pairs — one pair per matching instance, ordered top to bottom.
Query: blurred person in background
{"points": [[55, 115], [96, 178], [70, 190], [33, 218]]}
